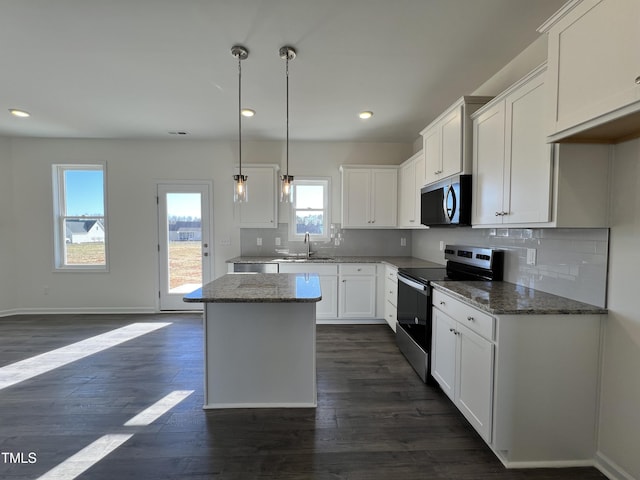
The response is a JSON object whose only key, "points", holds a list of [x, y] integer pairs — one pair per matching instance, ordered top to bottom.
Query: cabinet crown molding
{"points": [[559, 15]]}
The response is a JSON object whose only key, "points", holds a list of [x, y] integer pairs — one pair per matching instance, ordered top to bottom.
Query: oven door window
{"points": [[413, 313]]}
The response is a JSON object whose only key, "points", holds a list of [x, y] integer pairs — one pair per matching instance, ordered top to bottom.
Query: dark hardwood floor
{"points": [[375, 418]]}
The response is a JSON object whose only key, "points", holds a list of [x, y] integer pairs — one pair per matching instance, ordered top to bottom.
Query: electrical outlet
{"points": [[259, 241], [278, 241], [225, 242], [403, 242], [441, 246], [531, 256]]}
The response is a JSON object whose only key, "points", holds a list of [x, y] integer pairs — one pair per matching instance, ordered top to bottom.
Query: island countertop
{"points": [[259, 288], [508, 299]]}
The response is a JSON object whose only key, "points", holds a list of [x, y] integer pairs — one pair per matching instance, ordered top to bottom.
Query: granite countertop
{"points": [[398, 262], [259, 288], [508, 298]]}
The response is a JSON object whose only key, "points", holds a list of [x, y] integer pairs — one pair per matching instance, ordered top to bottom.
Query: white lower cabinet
{"points": [[390, 283], [349, 290], [357, 290], [328, 306], [462, 364], [528, 383]]}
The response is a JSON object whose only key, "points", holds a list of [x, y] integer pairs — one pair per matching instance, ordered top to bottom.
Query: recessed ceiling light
{"points": [[247, 112], [19, 113], [365, 115]]}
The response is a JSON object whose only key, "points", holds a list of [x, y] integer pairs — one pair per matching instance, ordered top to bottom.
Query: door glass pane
{"points": [[185, 241]]}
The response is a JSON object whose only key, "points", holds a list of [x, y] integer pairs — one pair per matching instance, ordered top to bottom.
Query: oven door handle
{"points": [[412, 283]]}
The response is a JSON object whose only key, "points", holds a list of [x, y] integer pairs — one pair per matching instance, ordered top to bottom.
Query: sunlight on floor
{"points": [[45, 362]]}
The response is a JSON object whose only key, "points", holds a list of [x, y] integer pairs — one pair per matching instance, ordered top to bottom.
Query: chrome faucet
{"points": [[307, 240]]}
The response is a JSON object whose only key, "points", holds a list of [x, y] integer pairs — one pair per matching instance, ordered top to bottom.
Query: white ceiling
{"points": [[142, 68]]}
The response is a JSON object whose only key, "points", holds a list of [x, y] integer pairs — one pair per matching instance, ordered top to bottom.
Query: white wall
{"points": [[133, 169], [7, 227], [619, 437]]}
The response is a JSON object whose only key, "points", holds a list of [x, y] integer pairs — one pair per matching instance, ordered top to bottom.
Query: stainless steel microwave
{"points": [[446, 203]]}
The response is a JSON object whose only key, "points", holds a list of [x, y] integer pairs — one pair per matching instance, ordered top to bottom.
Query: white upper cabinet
{"points": [[594, 67], [447, 140], [512, 161], [521, 180], [411, 181], [369, 196], [261, 208]]}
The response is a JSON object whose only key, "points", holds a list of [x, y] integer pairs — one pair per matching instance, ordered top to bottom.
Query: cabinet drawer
{"points": [[319, 268], [357, 269], [391, 273], [391, 291], [390, 315], [480, 322]]}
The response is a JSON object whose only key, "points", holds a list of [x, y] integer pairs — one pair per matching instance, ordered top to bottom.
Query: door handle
{"points": [[450, 203]]}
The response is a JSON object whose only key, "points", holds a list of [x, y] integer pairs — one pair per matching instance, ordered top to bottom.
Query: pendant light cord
{"points": [[287, 74], [240, 115]]}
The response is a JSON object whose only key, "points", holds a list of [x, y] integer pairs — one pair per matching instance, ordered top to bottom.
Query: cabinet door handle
{"points": [[638, 80], [441, 303], [470, 319], [452, 330]]}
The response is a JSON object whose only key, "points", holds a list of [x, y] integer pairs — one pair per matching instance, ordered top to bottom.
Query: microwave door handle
{"points": [[450, 212], [411, 283]]}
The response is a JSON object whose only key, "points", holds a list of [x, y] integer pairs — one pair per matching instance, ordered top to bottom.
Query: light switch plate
{"points": [[259, 241], [531, 256]]}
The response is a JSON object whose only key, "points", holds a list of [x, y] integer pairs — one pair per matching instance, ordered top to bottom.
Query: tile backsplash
{"points": [[352, 242], [569, 262]]}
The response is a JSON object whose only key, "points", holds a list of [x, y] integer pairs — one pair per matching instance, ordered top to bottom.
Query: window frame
{"points": [[324, 182], [59, 217]]}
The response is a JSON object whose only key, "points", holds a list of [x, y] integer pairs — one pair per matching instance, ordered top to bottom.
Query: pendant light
{"points": [[286, 180], [240, 181]]}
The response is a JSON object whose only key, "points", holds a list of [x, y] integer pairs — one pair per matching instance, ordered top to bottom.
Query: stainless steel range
{"points": [[413, 330]]}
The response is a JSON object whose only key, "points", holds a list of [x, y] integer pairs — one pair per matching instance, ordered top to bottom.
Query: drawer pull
{"points": [[638, 80], [441, 303], [471, 319]]}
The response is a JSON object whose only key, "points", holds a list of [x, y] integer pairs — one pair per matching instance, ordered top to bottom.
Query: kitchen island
{"points": [[259, 340]]}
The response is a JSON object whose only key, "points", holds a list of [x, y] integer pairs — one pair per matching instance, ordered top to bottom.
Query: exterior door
{"points": [[184, 246]]}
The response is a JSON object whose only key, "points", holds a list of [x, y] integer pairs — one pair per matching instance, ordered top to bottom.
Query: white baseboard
{"points": [[84, 311], [7, 313], [350, 321], [216, 406], [549, 464], [611, 469]]}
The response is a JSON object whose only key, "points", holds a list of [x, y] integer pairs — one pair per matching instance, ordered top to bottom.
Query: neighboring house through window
{"points": [[310, 209], [80, 232]]}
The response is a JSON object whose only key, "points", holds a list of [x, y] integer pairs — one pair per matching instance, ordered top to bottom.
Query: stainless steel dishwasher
{"points": [[255, 268]]}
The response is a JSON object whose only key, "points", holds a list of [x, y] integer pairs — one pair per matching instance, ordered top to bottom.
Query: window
{"points": [[310, 209], [80, 228]]}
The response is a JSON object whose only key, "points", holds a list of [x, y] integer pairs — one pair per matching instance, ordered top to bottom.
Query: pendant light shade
{"points": [[239, 180], [286, 180]]}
